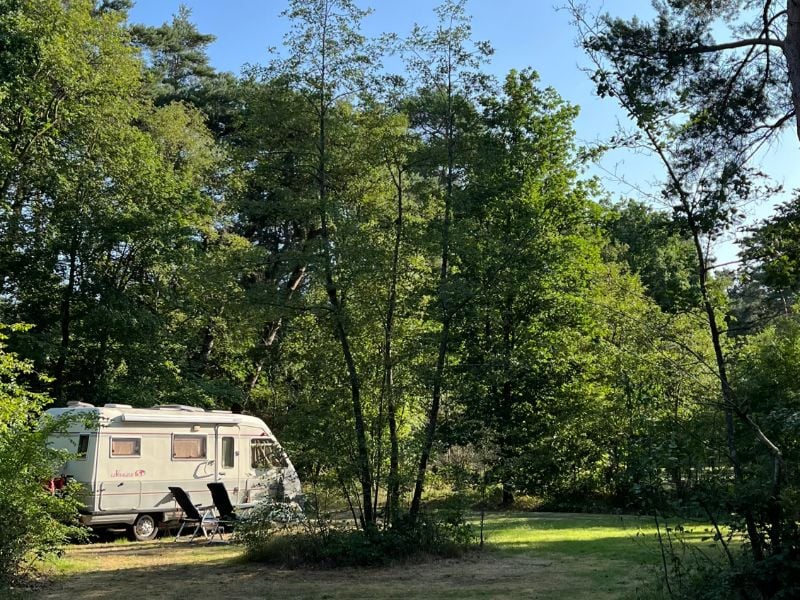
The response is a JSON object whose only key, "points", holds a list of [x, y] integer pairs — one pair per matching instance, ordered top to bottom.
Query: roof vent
{"points": [[76, 404], [182, 407]]}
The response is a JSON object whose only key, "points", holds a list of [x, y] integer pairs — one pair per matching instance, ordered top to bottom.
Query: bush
{"points": [[33, 522], [258, 528], [294, 542], [700, 575]]}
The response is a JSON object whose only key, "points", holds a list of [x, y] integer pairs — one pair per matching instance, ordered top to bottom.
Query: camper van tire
{"points": [[144, 528]]}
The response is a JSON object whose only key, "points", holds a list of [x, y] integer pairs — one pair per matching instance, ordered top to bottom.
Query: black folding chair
{"points": [[226, 512], [191, 516]]}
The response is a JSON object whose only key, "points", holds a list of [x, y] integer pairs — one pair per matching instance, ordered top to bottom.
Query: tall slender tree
{"points": [[330, 63], [444, 63], [707, 177]]}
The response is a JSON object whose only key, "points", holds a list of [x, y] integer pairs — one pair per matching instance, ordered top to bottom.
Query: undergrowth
{"points": [[278, 534]]}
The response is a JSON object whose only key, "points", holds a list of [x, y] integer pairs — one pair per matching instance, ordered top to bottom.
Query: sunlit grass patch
{"points": [[583, 535], [604, 550]]}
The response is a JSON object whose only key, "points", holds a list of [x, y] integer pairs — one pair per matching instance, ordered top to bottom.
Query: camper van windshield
{"points": [[266, 454]]}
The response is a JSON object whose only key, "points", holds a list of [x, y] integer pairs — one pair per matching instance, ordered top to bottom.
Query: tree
{"points": [[176, 55], [58, 62], [329, 63], [445, 64], [52, 80], [739, 90], [390, 138], [703, 142], [273, 201], [103, 213], [655, 249], [772, 251], [526, 253], [767, 284], [762, 375]]}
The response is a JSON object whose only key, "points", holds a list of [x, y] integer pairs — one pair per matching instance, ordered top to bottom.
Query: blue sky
{"points": [[524, 33]]}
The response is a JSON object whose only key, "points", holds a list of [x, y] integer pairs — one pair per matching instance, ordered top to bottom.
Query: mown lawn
{"points": [[528, 555]]}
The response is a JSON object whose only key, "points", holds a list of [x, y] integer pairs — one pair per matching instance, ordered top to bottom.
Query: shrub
{"points": [[33, 522], [257, 529], [295, 542], [702, 575]]}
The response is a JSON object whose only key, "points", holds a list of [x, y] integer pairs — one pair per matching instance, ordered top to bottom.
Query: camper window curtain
{"points": [[189, 446], [125, 447]]}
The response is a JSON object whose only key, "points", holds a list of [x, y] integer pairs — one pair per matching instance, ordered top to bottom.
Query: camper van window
{"points": [[83, 445], [188, 446], [126, 447], [227, 452], [266, 454]]}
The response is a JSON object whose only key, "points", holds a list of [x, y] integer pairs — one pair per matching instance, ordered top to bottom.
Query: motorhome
{"points": [[125, 458]]}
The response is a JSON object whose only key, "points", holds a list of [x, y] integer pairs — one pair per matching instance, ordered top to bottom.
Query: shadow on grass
{"points": [[144, 549], [489, 575], [179, 581]]}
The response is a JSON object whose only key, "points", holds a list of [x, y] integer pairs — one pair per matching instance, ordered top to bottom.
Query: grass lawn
{"points": [[528, 555]]}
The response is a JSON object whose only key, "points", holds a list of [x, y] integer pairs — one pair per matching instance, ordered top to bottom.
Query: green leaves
{"points": [[105, 199], [38, 522]]}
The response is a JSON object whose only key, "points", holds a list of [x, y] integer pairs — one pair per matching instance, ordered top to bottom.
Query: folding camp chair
{"points": [[226, 512], [191, 515]]}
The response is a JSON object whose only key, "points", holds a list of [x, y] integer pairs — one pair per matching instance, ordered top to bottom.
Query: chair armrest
{"points": [[208, 513]]}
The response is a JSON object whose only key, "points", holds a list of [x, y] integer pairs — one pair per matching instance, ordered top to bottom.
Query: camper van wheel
{"points": [[144, 528]]}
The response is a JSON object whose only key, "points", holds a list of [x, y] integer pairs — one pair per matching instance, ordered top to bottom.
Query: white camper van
{"points": [[128, 458]]}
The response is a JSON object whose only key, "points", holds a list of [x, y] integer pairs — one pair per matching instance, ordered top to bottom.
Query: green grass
{"points": [[583, 535], [604, 550], [528, 555]]}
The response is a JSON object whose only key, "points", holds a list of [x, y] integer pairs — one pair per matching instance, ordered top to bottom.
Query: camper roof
{"points": [[165, 413]]}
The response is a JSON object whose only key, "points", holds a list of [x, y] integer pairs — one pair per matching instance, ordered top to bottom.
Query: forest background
{"points": [[410, 274]]}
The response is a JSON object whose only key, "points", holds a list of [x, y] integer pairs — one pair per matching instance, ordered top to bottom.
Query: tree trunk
{"points": [[791, 50], [444, 279], [66, 322], [271, 329], [209, 340], [507, 390], [727, 394], [730, 406], [430, 430], [365, 474], [393, 483]]}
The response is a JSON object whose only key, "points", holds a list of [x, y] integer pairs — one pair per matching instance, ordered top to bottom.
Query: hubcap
{"points": [[145, 526]]}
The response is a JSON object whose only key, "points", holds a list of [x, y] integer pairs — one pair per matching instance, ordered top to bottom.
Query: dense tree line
{"points": [[388, 267]]}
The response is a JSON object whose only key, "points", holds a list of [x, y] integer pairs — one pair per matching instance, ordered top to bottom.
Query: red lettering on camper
{"points": [[128, 474]]}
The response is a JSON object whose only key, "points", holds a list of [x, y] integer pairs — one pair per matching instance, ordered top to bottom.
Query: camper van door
{"points": [[228, 459]]}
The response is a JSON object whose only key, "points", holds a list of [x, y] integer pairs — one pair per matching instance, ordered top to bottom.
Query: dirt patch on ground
{"points": [[179, 570]]}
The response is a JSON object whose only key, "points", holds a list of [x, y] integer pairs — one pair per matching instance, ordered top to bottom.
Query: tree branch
{"points": [[705, 49]]}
